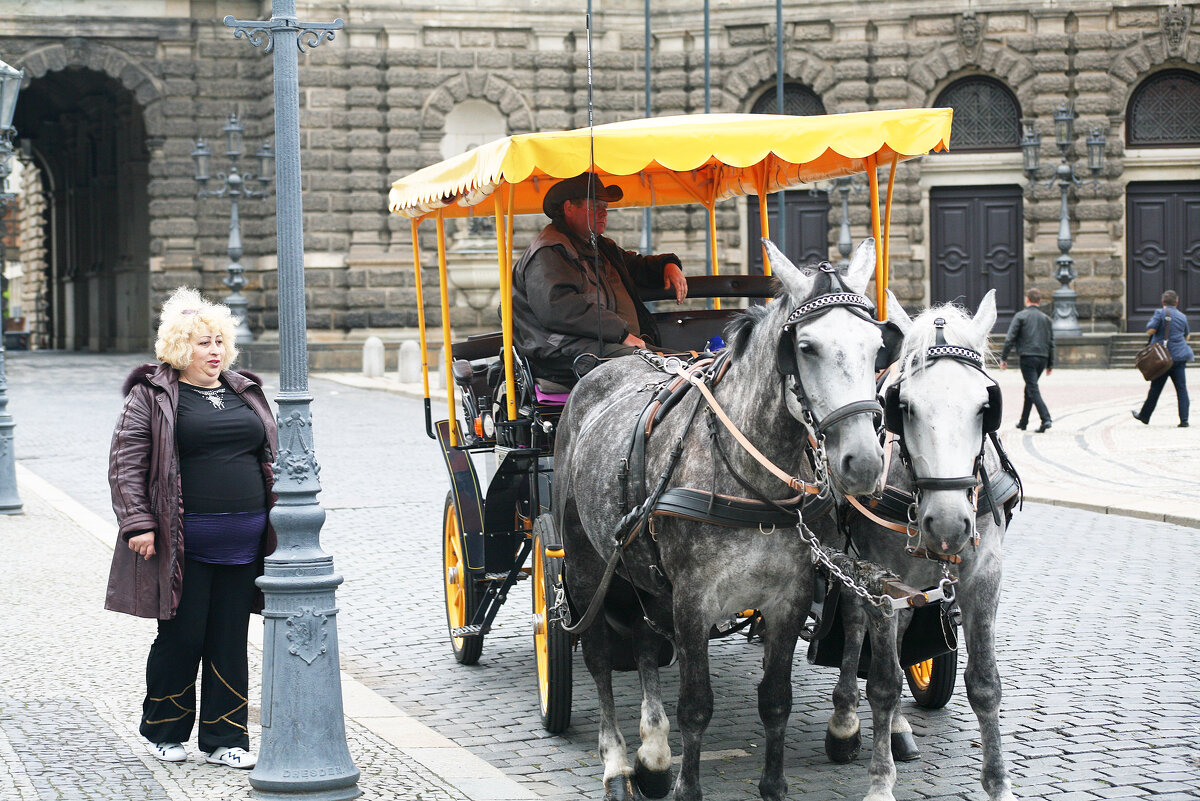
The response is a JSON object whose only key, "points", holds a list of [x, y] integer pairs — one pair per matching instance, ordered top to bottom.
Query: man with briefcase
{"points": [[1169, 326]]}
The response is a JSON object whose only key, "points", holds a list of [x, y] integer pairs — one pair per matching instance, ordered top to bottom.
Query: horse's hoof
{"points": [[904, 747], [843, 750], [652, 784], [618, 788]]}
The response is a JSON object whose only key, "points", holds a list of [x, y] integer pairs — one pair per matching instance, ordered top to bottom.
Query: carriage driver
{"points": [[569, 299]]}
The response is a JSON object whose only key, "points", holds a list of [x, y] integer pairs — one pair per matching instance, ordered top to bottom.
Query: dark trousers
{"points": [[1031, 371], [1156, 387], [210, 628]]}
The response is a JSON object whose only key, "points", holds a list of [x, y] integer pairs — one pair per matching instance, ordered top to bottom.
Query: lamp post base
{"points": [[1066, 316], [242, 335]]}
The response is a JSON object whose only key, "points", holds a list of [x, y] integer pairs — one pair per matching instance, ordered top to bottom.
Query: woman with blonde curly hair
{"points": [[190, 473]]}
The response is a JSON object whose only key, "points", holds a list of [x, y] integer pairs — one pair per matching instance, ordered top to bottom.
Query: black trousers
{"points": [[1031, 370], [1156, 387], [207, 632]]}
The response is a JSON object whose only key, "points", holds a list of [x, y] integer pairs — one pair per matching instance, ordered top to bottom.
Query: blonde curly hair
{"points": [[185, 313]]}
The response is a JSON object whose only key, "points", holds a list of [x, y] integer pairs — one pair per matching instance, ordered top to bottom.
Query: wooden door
{"points": [[1163, 223], [807, 228], [976, 246]]}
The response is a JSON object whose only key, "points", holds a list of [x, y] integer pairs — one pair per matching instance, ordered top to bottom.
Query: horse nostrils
{"points": [[858, 473], [949, 534]]}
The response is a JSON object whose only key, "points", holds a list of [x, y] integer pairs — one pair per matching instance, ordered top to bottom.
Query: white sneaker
{"points": [[169, 752], [233, 757]]}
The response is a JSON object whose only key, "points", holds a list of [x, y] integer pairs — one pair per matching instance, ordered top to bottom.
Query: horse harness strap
{"points": [[796, 483]]}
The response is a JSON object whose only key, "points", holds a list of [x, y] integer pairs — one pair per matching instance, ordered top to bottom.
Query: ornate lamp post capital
{"points": [[1066, 315]]}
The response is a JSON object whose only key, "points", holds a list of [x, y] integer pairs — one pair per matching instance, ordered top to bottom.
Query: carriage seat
{"points": [[550, 393]]}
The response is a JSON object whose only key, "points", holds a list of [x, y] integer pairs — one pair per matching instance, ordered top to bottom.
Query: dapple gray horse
{"points": [[943, 403], [690, 575]]}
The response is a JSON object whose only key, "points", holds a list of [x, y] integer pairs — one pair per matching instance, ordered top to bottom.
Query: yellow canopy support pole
{"points": [[764, 229], [887, 231], [880, 245], [712, 248], [503, 255], [420, 306], [447, 354], [510, 380]]}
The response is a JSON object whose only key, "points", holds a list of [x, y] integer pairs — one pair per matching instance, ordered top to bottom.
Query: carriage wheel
{"points": [[462, 593], [551, 645], [932, 681]]}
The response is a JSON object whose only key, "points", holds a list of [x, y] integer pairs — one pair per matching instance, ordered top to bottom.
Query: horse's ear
{"points": [[862, 266], [794, 281], [897, 314], [985, 317]]}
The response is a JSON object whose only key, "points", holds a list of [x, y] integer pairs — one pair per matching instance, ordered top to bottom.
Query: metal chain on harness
{"points": [[822, 558]]}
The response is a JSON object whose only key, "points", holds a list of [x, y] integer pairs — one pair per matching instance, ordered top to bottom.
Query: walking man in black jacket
{"points": [[1032, 334]]}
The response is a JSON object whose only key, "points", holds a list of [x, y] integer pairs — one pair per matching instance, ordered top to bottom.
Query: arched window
{"points": [[798, 100], [1165, 110], [986, 114], [472, 123]]}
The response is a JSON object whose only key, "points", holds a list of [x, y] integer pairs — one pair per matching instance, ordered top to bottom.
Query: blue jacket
{"points": [[1177, 345]]}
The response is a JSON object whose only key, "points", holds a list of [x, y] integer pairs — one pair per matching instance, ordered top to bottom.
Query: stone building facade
{"points": [[112, 106]]}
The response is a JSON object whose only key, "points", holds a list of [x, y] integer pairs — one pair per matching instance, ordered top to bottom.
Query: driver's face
{"points": [[583, 216]]}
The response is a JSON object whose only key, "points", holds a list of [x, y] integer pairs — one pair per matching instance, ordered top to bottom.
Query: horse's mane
{"points": [[740, 329], [959, 330]]}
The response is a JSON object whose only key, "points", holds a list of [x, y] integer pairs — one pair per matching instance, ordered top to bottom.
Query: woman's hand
{"points": [[143, 544]]}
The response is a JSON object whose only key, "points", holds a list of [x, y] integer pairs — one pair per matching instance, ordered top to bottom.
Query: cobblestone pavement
{"points": [[1099, 623], [72, 681]]}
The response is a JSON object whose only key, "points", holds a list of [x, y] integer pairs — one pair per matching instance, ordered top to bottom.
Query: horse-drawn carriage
{"points": [[593, 523]]}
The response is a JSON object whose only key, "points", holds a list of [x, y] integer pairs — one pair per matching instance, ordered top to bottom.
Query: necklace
{"points": [[213, 396]]}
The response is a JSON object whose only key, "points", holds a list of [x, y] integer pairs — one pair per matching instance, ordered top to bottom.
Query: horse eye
{"points": [[806, 348]]}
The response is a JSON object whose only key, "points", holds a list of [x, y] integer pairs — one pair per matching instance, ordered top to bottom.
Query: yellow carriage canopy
{"points": [[664, 161]]}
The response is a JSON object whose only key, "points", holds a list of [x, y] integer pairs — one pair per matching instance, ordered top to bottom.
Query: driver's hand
{"points": [[673, 278], [633, 341]]}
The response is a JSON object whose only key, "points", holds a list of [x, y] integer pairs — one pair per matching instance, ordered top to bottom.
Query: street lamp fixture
{"points": [[10, 87], [234, 185], [845, 185], [1066, 315]]}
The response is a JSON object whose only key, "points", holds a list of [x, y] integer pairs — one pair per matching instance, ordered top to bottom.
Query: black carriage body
{"points": [[494, 520]]}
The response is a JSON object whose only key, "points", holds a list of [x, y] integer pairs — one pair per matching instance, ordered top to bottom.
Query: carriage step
{"points": [[521, 576], [467, 631]]}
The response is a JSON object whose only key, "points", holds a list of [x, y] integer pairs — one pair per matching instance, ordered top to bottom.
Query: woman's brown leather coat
{"points": [[143, 473]]}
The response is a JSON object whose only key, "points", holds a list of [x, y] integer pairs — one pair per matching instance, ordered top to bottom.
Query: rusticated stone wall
{"points": [[375, 101]]}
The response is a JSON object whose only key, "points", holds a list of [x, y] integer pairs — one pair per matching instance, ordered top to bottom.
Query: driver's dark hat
{"points": [[582, 186]]}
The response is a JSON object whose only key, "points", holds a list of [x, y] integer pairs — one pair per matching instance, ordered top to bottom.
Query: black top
{"points": [[220, 446]]}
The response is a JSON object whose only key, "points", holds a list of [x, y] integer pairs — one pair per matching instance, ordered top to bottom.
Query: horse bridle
{"points": [[829, 294], [893, 416]]}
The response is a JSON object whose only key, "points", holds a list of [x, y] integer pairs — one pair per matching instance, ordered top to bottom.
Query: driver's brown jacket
{"points": [[555, 311]]}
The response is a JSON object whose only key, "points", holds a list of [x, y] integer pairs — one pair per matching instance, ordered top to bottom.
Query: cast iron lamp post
{"points": [[10, 86], [234, 185], [845, 185], [1066, 316], [303, 752]]}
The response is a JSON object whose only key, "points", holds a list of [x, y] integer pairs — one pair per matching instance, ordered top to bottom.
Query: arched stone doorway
{"points": [[86, 136]]}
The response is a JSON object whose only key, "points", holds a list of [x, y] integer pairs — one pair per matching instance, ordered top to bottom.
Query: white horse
{"points": [[941, 407]]}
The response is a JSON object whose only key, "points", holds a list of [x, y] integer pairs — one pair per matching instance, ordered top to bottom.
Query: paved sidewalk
{"points": [[1095, 456], [72, 686]]}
